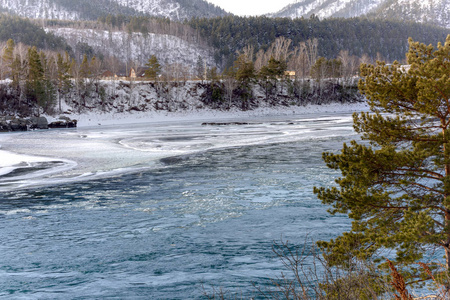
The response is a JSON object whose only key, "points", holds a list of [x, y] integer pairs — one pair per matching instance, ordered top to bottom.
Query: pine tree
{"points": [[8, 56], [154, 68], [200, 68], [85, 70], [245, 70], [274, 70], [17, 71], [245, 75], [63, 76], [35, 84], [396, 188]]}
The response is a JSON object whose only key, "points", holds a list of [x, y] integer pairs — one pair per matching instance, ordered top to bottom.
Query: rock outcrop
{"points": [[8, 124]]}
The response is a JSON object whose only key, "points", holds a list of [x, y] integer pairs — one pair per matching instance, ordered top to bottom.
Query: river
{"points": [[162, 210]]}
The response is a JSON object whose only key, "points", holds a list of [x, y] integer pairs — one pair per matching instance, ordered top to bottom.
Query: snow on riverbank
{"points": [[98, 119]]}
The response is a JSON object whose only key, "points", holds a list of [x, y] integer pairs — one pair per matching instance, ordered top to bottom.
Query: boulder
{"points": [[39, 123], [64, 123], [57, 124], [72, 124], [18, 125], [4, 127]]}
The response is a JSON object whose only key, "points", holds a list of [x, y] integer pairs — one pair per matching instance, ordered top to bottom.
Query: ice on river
{"points": [[42, 158]]}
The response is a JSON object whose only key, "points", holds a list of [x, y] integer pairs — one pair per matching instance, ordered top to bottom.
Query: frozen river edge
{"points": [[98, 119], [60, 156]]}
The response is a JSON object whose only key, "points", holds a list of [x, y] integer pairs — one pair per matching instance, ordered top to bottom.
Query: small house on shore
{"points": [[137, 73], [290, 74]]}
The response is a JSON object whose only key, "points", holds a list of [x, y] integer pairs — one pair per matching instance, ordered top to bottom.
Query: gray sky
{"points": [[251, 7]]}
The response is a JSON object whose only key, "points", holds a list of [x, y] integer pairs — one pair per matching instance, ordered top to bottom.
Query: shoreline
{"points": [[110, 119]]}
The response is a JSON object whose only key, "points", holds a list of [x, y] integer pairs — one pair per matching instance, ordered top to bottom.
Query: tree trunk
{"points": [[446, 194]]}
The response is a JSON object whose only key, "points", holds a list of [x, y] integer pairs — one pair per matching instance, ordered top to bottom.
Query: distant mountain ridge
{"points": [[328, 8], [92, 9], [433, 12]]}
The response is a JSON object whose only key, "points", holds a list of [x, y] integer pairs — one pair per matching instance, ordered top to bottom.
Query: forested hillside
{"points": [[327, 8], [93, 9], [174, 9], [428, 12], [435, 12], [24, 31], [385, 39]]}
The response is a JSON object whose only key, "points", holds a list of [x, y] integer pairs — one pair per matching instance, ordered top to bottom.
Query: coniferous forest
{"points": [[387, 39], [246, 50]]}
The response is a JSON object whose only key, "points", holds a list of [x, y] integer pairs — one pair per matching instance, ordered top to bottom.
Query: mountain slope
{"points": [[328, 8], [93, 9], [174, 9], [433, 12], [26, 32], [136, 47]]}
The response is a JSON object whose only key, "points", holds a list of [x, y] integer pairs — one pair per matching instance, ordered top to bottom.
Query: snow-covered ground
{"points": [[204, 115]]}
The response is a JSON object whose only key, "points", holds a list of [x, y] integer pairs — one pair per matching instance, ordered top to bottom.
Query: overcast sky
{"points": [[251, 7]]}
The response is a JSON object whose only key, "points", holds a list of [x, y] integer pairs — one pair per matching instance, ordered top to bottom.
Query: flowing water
{"points": [[158, 211]]}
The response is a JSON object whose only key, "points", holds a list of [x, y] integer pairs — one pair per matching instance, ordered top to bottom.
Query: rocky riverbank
{"points": [[110, 96], [8, 124]]}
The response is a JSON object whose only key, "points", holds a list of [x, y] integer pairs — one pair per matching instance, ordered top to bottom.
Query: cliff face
{"points": [[109, 96]]}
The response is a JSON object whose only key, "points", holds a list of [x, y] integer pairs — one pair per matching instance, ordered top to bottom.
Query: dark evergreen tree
{"points": [[8, 57], [154, 68], [200, 69], [272, 72], [245, 75], [63, 76], [38, 88], [396, 187]]}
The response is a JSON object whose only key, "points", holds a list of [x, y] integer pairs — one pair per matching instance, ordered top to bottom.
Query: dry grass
{"points": [[309, 277]]}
